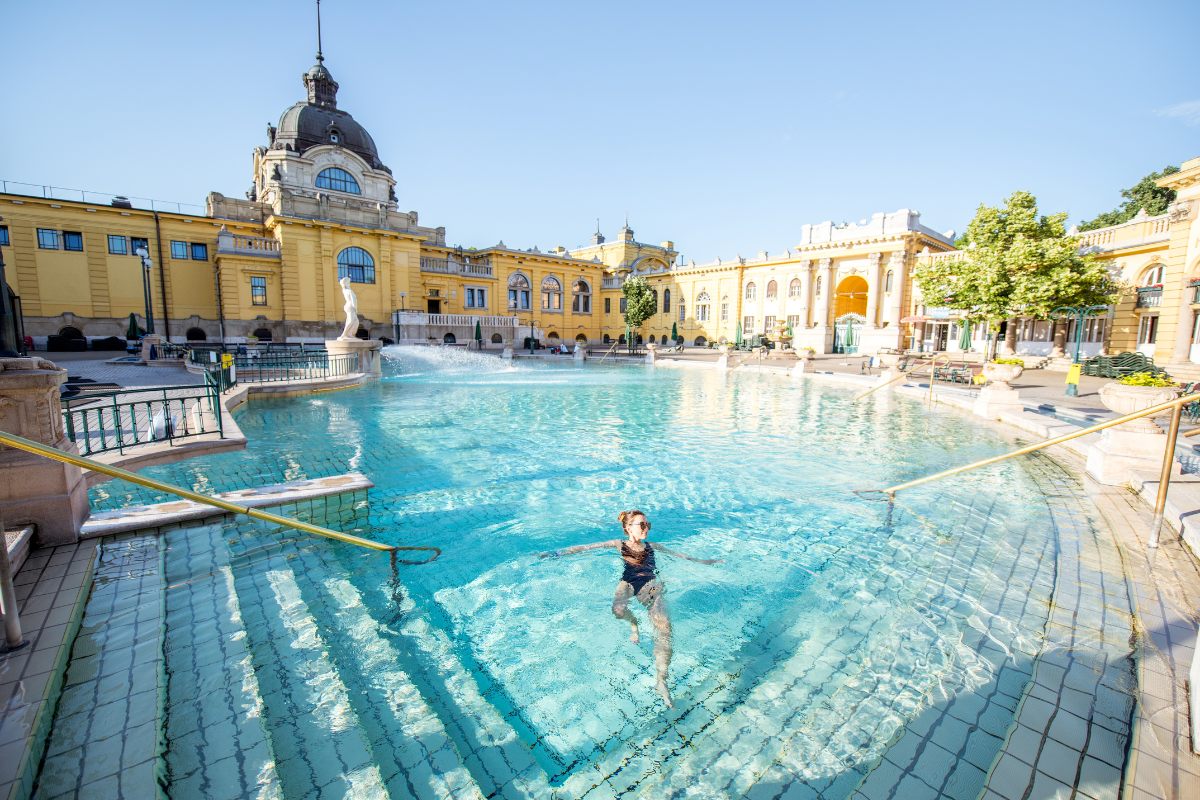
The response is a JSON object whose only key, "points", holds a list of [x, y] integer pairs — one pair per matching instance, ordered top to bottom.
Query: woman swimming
{"points": [[641, 580]]}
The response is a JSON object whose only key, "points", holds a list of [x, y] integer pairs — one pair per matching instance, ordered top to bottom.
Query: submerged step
{"points": [[156, 515]]}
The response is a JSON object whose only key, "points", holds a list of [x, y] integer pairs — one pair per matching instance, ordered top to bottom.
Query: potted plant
{"points": [[807, 353], [1003, 370], [1137, 392]]}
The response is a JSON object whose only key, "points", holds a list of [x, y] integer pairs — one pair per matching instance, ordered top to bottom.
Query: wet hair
{"points": [[626, 517]]}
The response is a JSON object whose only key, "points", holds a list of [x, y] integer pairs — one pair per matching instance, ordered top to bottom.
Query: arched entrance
{"points": [[851, 297], [847, 330]]}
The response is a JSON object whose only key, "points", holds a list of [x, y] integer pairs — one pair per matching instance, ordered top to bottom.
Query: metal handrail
{"points": [[606, 355], [909, 374], [67, 458], [1160, 503]]}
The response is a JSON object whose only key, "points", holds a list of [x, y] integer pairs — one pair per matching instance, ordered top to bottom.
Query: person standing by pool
{"points": [[640, 580]]}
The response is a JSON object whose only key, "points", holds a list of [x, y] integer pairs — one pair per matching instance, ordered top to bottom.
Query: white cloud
{"points": [[1188, 111]]}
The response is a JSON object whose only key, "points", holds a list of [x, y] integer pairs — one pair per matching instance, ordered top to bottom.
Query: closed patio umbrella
{"points": [[134, 332], [674, 332], [478, 335], [737, 335], [964, 341]]}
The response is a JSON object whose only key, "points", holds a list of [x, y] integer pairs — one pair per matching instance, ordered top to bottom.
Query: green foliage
{"points": [[1145, 194], [963, 241], [1021, 263], [640, 303], [1019, 361], [1145, 379]]}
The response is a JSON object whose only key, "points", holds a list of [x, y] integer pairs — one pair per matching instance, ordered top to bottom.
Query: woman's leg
{"points": [[651, 597], [621, 608]]}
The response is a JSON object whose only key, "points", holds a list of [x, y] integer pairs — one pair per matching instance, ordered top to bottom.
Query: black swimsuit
{"points": [[639, 567]]}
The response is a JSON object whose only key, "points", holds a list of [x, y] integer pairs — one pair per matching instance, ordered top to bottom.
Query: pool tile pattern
{"points": [[106, 740]]}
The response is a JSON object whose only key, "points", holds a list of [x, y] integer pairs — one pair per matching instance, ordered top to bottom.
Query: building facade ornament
{"points": [[1180, 211]]}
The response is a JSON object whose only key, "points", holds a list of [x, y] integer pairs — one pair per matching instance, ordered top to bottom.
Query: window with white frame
{"points": [[1153, 276], [887, 281], [794, 288], [772, 290], [751, 291], [518, 292], [551, 294], [581, 297], [702, 307], [725, 308], [682, 309], [794, 321], [747, 324], [768, 324]]}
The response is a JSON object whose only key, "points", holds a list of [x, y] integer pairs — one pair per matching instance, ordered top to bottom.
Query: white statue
{"points": [[351, 309]]}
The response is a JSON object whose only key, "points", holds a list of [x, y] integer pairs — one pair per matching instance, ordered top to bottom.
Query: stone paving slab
{"points": [[52, 588]]}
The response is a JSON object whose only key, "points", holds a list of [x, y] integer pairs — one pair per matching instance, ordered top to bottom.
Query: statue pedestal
{"points": [[148, 341], [367, 351], [651, 352], [508, 353], [580, 354], [997, 397], [1119, 451], [49, 494]]}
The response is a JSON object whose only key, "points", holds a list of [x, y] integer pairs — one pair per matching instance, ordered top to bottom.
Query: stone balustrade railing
{"points": [[238, 244], [450, 266], [459, 320]]}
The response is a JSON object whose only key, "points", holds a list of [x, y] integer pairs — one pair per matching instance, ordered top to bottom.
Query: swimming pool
{"points": [[834, 631]]}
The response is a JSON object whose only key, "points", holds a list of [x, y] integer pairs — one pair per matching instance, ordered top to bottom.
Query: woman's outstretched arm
{"points": [[579, 548], [662, 549]]}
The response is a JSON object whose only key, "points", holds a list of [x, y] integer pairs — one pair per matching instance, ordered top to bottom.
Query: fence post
{"points": [[1164, 480], [8, 596]]}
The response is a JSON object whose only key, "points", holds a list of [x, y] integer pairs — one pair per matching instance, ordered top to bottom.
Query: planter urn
{"points": [[1002, 373], [1130, 399], [1137, 446]]}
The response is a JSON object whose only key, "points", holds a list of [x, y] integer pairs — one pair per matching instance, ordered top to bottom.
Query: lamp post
{"points": [[146, 265], [1079, 314], [532, 328]]}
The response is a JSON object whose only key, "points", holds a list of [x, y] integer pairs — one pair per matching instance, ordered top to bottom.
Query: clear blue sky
{"points": [[722, 127]]}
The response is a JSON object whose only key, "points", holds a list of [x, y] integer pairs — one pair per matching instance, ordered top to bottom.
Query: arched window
{"points": [[339, 180], [357, 265], [1153, 276], [887, 281], [795, 287], [817, 288], [772, 290], [751, 291], [518, 292], [551, 294], [581, 297], [666, 301], [702, 307], [682, 308], [725, 308], [70, 332], [196, 335], [263, 335], [552, 337], [448, 338], [497, 338], [581, 338], [607, 338], [652, 338], [701, 341]]}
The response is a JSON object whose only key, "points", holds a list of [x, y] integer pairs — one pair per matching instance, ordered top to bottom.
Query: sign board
{"points": [[938, 313], [226, 360], [1073, 373]]}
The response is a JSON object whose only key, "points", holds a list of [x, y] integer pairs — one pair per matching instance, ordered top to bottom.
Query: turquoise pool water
{"points": [[833, 626]]}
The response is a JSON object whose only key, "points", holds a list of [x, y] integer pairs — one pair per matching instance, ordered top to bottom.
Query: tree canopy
{"points": [[1146, 194], [1018, 263], [640, 302]]}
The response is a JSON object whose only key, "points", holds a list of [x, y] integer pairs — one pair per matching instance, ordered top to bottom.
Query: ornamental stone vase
{"points": [[890, 372], [1003, 373], [998, 397], [1137, 445]]}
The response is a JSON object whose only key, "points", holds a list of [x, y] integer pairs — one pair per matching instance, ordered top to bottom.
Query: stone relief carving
{"points": [[1180, 211], [875, 259], [897, 259], [826, 263], [806, 264]]}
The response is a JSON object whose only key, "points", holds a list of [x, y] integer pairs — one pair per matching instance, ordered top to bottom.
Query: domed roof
{"points": [[318, 121]]}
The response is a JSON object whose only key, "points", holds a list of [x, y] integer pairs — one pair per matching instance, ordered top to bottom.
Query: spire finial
{"points": [[320, 58], [626, 219], [597, 224]]}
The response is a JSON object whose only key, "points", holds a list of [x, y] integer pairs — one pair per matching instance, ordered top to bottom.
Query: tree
{"points": [[1146, 194], [1019, 263], [640, 303]]}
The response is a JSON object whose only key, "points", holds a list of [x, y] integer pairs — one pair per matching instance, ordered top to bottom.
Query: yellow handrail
{"points": [[614, 347], [909, 374], [1175, 405], [116, 472]]}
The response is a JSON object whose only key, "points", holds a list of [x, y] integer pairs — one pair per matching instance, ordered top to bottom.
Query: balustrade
{"points": [[241, 244], [450, 266]]}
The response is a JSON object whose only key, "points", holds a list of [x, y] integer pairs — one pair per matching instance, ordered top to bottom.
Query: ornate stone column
{"points": [[825, 274], [873, 290], [805, 291], [894, 303], [50, 495]]}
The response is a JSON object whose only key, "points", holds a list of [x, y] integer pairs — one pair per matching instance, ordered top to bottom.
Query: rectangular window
{"points": [[4, 235], [47, 239], [73, 241], [135, 244], [116, 246], [179, 250], [199, 252], [361, 273], [258, 291], [470, 298], [481, 298], [512, 298], [525, 299], [624, 304], [608, 305], [682, 310], [724, 312], [702, 313], [794, 321], [747, 324], [768, 324]]}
